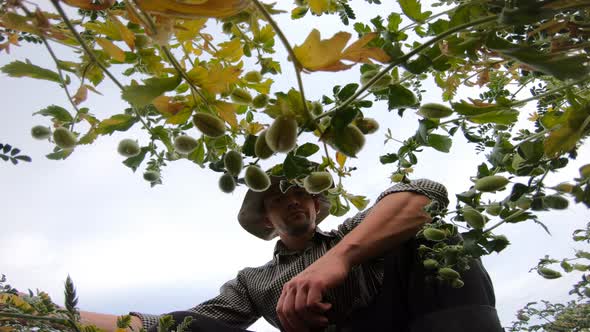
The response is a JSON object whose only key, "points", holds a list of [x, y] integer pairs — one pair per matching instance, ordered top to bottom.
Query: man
{"points": [[363, 276]]}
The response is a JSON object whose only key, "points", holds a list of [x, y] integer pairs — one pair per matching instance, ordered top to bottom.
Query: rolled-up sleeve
{"points": [[435, 191], [233, 306]]}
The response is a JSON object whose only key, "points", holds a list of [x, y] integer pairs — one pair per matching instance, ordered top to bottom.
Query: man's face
{"points": [[292, 213]]}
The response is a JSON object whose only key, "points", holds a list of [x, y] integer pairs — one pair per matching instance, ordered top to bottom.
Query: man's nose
{"points": [[293, 201]]}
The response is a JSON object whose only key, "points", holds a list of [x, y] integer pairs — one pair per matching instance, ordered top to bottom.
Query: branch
{"points": [[285, 42], [414, 52]]}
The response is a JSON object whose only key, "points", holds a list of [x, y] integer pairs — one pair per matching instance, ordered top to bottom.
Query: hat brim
{"points": [[251, 215]]}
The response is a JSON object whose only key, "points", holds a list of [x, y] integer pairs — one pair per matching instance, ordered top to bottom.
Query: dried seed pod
{"points": [[253, 76], [381, 83], [241, 96], [260, 101], [317, 108], [434, 111], [209, 125], [367, 125], [40, 132], [282, 134], [64, 138], [349, 140], [185, 144], [128, 148], [261, 149], [233, 162], [151, 176], [256, 179], [316, 182], [491, 183], [227, 184], [473, 217], [433, 234], [430, 264], [448, 273], [548, 273]]}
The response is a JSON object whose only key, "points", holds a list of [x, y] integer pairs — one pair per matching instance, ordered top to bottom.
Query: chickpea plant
{"points": [[195, 97]]}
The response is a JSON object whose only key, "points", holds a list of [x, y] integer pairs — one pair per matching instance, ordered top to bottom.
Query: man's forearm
{"points": [[393, 220], [106, 322]]}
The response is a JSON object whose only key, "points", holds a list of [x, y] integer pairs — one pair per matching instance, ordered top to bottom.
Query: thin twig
{"points": [[285, 42], [92, 56], [59, 71]]}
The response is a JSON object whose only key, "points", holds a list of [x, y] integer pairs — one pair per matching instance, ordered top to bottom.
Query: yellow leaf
{"points": [[319, 6], [191, 9], [107, 28], [188, 30], [126, 35], [264, 35], [113, 50], [231, 51], [357, 52], [315, 54], [326, 55], [216, 78], [262, 87], [80, 95], [166, 106], [227, 111], [180, 117], [572, 124], [252, 128], [341, 159], [15, 300]]}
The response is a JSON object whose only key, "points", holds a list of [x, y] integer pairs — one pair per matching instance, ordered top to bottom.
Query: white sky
{"points": [[131, 247]]}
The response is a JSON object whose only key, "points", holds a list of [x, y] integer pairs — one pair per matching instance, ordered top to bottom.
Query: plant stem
{"points": [[285, 42], [414, 52], [92, 56], [59, 71], [182, 73], [545, 94], [494, 227]]}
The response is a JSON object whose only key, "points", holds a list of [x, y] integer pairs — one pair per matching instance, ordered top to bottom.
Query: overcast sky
{"points": [[131, 247]]}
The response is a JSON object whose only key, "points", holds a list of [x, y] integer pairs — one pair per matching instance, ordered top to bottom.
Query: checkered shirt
{"points": [[255, 292]]}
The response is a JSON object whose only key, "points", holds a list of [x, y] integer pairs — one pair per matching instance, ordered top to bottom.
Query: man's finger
{"points": [[293, 320]]}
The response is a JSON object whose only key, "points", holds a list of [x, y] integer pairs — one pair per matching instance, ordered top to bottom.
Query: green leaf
{"points": [[413, 10], [560, 65], [418, 66], [27, 69], [347, 91], [142, 95], [400, 97], [58, 113], [343, 117], [505, 117], [118, 122], [162, 134], [565, 138], [441, 143], [248, 149], [307, 149], [198, 154], [60, 155], [23, 158], [388, 158], [135, 162], [296, 166], [360, 202], [336, 207]]}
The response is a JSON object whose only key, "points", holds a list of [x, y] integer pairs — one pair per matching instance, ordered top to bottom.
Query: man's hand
{"points": [[300, 307]]}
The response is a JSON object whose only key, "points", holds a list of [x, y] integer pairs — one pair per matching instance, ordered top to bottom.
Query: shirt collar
{"points": [[282, 250]]}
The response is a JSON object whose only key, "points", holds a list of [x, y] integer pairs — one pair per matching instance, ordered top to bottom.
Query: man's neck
{"points": [[297, 243]]}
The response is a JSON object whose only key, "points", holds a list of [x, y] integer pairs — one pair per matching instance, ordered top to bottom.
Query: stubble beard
{"points": [[299, 228]]}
